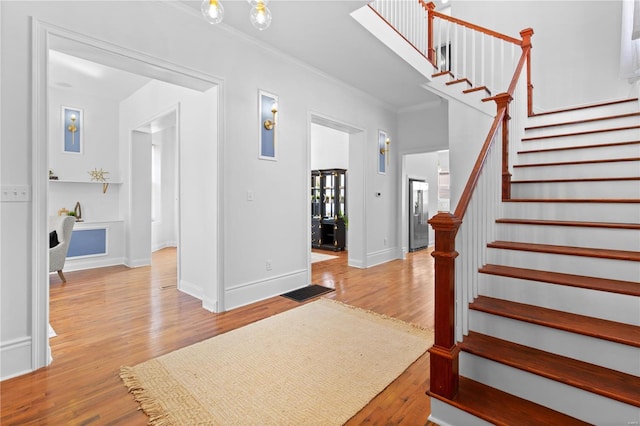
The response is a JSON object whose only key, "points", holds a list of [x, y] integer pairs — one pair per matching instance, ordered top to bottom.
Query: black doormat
{"points": [[306, 293]]}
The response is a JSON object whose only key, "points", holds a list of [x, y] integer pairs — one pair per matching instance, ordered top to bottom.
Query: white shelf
{"points": [[84, 181]]}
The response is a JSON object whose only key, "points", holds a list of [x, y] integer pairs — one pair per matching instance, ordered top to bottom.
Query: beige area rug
{"points": [[320, 257], [318, 364]]}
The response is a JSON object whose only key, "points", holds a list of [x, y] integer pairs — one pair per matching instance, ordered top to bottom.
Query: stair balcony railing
{"points": [[483, 57], [490, 59]]}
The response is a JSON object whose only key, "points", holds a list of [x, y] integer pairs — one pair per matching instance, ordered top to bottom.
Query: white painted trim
{"points": [[41, 32], [331, 122], [381, 256], [90, 262], [191, 289], [250, 292], [40, 349], [16, 357]]}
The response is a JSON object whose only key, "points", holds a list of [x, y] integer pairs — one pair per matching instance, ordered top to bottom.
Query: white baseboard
{"points": [[163, 245], [383, 256], [91, 263], [136, 263], [191, 289], [246, 293], [16, 358]]}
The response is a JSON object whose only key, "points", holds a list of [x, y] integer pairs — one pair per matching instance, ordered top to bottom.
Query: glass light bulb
{"points": [[212, 10], [260, 15]]}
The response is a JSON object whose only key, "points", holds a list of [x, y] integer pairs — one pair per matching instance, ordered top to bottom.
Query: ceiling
{"points": [[321, 34], [325, 36]]}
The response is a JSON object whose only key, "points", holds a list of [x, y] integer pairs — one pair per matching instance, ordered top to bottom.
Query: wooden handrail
{"points": [[430, 8], [465, 198], [444, 353]]}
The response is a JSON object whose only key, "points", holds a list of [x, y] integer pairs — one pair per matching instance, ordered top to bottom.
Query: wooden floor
{"points": [[115, 316]]}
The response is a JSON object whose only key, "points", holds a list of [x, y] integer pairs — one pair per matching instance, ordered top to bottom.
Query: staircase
{"points": [[537, 296], [554, 334]]}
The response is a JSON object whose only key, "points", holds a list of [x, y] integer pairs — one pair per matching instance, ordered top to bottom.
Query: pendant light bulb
{"points": [[212, 10], [260, 15]]}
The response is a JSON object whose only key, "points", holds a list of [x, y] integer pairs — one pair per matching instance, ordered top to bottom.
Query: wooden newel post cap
{"points": [[431, 5], [526, 36], [445, 221]]}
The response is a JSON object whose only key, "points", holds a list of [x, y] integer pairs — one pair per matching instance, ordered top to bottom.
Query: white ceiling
{"points": [[320, 33]]}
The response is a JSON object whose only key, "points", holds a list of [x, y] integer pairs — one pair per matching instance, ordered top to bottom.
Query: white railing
{"points": [[407, 17], [482, 56], [475, 232]]}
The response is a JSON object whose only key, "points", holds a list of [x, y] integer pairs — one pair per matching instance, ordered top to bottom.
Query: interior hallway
{"points": [[115, 316]]}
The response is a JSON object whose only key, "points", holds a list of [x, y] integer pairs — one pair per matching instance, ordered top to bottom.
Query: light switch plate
{"points": [[16, 193]]}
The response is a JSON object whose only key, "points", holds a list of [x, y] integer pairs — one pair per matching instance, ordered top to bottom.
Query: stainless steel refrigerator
{"points": [[418, 214]]}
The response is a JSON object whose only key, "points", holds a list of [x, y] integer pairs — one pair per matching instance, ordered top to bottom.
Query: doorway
{"points": [[50, 38], [158, 140], [337, 145], [418, 214]]}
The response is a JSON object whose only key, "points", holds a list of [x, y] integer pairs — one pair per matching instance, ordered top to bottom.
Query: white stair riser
{"points": [[583, 114], [611, 123], [581, 140], [584, 154], [578, 171], [625, 189], [588, 212], [575, 236], [576, 265], [581, 301], [616, 356], [575, 402], [444, 414], [453, 415]]}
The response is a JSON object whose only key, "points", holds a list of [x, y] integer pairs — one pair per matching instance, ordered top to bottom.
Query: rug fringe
{"points": [[158, 416]]}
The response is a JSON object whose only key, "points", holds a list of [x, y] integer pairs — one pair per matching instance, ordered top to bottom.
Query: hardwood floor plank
{"points": [[115, 316]]}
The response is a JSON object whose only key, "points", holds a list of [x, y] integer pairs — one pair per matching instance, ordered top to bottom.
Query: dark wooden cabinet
{"points": [[328, 208]]}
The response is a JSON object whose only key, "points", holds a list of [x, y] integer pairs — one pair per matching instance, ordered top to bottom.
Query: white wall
{"points": [[576, 46], [197, 115], [465, 141], [329, 148], [100, 150], [274, 226], [164, 230]]}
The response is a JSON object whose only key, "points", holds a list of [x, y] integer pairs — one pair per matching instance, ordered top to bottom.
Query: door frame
{"points": [[41, 34]]}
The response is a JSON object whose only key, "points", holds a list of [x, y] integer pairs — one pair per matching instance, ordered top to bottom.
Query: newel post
{"points": [[526, 44], [431, 52], [502, 101], [444, 352]]}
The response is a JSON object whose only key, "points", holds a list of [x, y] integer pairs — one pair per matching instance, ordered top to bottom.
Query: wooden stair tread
{"points": [[441, 73], [461, 80], [477, 89], [595, 105], [588, 120], [586, 132], [568, 148], [570, 163], [603, 179], [574, 200], [609, 225], [633, 256], [592, 283], [612, 331], [592, 378], [502, 408]]}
